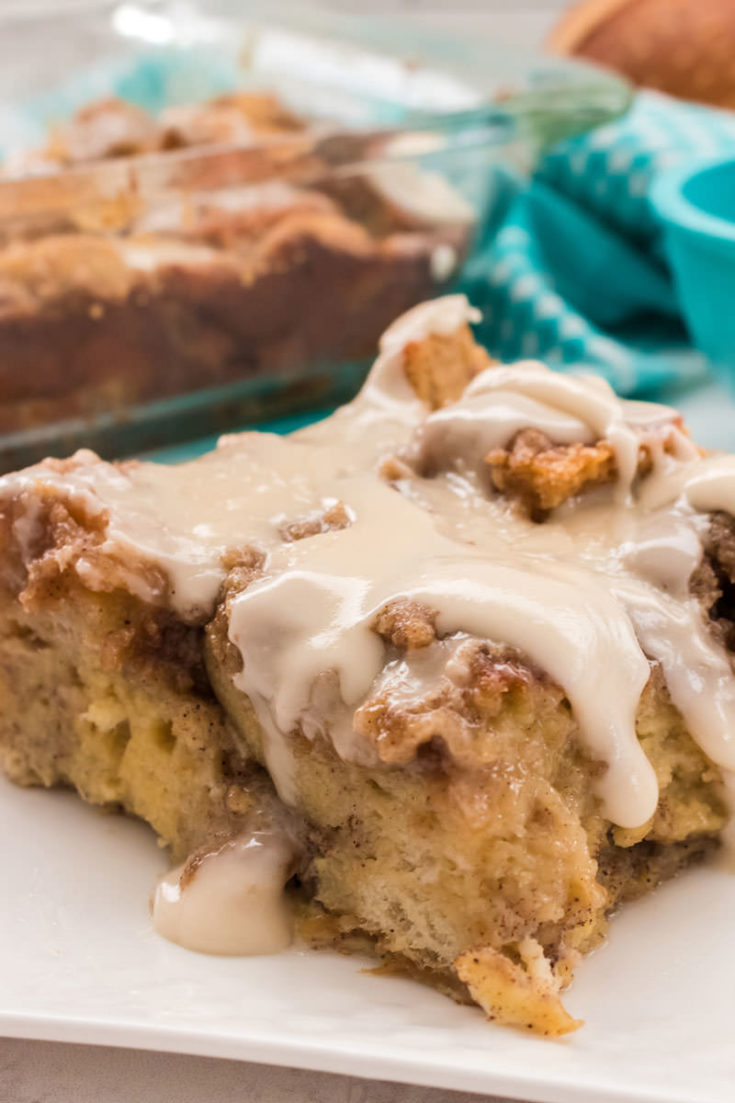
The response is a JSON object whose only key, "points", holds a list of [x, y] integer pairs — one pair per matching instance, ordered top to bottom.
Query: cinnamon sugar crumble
{"points": [[544, 475], [335, 516], [406, 624]]}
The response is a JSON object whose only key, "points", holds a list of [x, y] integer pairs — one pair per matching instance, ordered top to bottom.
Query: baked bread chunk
{"points": [[681, 47], [221, 243], [453, 666]]}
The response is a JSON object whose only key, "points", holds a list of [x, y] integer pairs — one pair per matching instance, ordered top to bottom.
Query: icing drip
{"points": [[711, 485], [229, 901]]}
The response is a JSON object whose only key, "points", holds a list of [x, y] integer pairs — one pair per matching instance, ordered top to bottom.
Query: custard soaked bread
{"points": [[452, 663]]}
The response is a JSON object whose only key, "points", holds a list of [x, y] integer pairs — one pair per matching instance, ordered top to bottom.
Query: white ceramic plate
{"points": [[79, 962]]}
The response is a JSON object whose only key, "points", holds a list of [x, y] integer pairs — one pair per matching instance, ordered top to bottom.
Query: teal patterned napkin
{"points": [[574, 274]]}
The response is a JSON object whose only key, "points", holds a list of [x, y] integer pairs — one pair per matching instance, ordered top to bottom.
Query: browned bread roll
{"points": [[683, 47]]}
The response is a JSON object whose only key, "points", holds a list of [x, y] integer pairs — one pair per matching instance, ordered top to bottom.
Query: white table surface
{"points": [[45, 1072]]}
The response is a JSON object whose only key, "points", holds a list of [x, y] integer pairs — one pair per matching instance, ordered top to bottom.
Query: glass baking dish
{"points": [[169, 270]]}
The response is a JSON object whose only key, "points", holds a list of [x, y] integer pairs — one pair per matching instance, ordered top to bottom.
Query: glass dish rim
{"points": [[490, 123]]}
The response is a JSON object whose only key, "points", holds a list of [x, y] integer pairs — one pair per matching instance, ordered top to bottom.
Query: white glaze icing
{"points": [[425, 195], [175, 214], [148, 255], [438, 316], [586, 399], [500, 401], [711, 484], [591, 595], [314, 609], [233, 901]]}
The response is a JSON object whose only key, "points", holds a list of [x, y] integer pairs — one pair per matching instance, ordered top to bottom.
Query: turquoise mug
{"points": [[696, 204]]}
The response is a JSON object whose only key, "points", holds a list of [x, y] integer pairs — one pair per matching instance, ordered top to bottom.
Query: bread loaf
{"points": [[683, 47]]}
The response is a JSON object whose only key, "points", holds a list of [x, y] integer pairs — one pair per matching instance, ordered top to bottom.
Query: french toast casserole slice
{"points": [[453, 666]]}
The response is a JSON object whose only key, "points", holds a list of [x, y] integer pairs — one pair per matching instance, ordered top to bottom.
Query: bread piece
{"points": [[683, 47]]}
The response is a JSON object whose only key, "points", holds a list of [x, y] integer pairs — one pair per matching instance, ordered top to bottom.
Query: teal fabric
{"points": [[573, 273]]}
